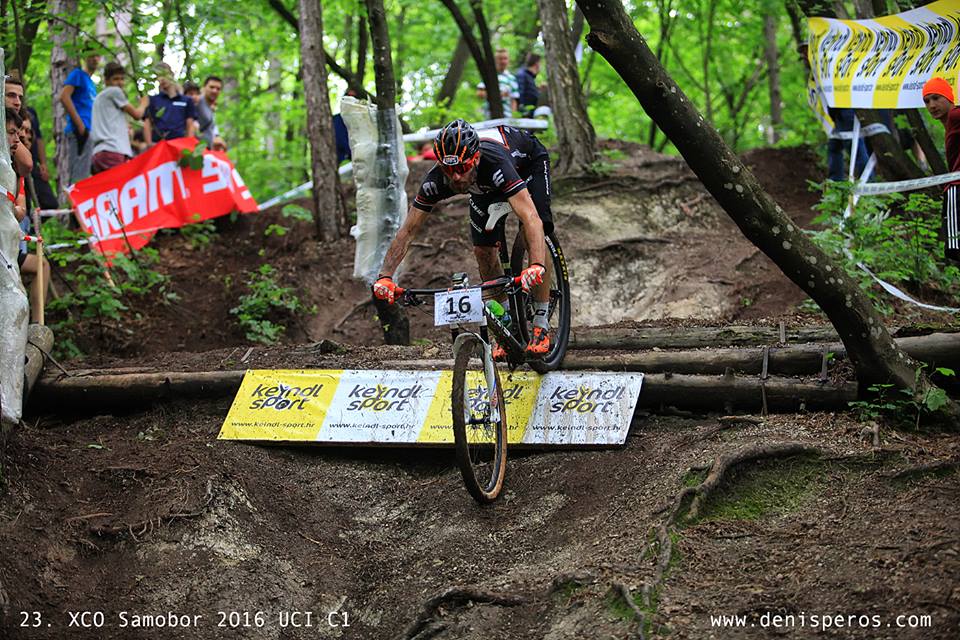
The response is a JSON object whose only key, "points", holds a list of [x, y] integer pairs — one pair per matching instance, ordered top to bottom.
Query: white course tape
{"points": [[867, 131], [877, 188], [862, 189], [114, 236]]}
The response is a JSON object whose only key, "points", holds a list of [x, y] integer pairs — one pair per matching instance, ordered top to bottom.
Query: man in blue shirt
{"points": [[529, 94], [77, 96], [170, 113]]}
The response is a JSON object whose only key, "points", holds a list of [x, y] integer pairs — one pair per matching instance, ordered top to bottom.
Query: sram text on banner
{"points": [[120, 207]]}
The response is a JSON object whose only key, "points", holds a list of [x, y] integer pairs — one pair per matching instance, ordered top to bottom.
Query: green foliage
{"points": [[262, 113], [191, 159], [296, 212], [274, 229], [199, 234], [895, 236], [89, 295], [265, 301], [902, 406]]}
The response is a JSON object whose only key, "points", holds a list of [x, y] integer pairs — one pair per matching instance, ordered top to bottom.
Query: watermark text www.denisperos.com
{"points": [[805, 620]]}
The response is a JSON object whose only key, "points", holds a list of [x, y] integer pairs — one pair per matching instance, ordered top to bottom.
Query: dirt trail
{"points": [[148, 513]]}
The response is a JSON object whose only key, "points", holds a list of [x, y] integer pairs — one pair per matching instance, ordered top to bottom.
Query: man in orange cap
{"points": [[938, 96]]}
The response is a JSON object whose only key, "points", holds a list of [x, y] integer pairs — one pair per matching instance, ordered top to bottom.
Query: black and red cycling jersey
{"points": [[508, 156]]}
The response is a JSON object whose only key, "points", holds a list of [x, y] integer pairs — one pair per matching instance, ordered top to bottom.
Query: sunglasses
{"points": [[451, 165]]}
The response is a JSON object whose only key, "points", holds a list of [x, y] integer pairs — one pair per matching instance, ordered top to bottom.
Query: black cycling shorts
{"points": [[486, 225]]}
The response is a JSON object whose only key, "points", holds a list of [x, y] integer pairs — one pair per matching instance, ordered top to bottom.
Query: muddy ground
{"points": [[148, 513]]}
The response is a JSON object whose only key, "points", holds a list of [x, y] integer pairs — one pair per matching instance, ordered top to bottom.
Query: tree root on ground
{"points": [[925, 469], [696, 497], [137, 530], [426, 627]]}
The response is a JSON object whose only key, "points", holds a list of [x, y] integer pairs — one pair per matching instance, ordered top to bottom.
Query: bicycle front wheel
{"points": [[479, 418]]}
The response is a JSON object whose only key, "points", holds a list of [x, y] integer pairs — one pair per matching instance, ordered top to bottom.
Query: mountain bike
{"points": [[479, 412]]}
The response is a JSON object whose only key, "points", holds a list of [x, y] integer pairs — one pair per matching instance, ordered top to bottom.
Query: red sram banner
{"points": [[124, 207]]}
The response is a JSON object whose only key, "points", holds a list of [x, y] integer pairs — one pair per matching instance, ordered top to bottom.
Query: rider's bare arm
{"points": [[523, 205], [398, 248]]}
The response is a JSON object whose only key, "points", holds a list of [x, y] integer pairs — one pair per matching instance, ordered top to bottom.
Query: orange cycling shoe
{"points": [[539, 344], [499, 353]]}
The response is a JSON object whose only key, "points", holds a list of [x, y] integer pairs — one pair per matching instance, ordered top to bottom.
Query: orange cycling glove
{"points": [[532, 276], [385, 289]]}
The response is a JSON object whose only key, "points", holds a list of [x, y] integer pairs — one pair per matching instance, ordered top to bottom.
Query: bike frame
{"points": [[515, 350]]}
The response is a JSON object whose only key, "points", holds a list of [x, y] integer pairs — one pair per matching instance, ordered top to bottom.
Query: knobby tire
{"points": [[560, 314], [483, 466]]}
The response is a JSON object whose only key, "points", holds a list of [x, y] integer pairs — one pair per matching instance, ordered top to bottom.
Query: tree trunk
{"points": [[30, 23], [576, 31], [707, 57], [60, 67], [488, 72], [346, 74], [773, 76], [491, 79], [451, 81], [575, 136], [934, 158], [327, 200], [393, 321], [869, 345]]}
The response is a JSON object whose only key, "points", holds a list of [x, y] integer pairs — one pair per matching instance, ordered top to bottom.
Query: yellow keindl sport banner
{"points": [[882, 63], [414, 407]]}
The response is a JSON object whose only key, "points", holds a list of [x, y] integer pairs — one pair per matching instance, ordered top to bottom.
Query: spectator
{"points": [[508, 85], [528, 95], [938, 96], [77, 97], [13, 99], [206, 106], [170, 114], [843, 122], [110, 135], [340, 135], [342, 138], [137, 142], [38, 151], [41, 173], [28, 261]]}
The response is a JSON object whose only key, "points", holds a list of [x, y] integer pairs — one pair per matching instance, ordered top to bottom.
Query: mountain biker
{"points": [[494, 166]]}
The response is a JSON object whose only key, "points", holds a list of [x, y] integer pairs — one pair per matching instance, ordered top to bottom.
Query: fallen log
{"points": [[694, 337], [626, 338], [39, 343], [937, 350], [103, 393], [731, 393]]}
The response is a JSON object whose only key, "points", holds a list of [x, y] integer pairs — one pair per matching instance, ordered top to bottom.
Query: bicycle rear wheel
{"points": [[558, 316], [479, 418]]}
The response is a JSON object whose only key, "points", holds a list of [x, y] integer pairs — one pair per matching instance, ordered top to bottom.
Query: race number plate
{"points": [[463, 306]]}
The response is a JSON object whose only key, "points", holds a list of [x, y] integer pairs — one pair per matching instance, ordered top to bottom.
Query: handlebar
{"points": [[411, 296]]}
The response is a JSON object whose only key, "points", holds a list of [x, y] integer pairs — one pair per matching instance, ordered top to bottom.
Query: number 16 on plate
{"points": [[462, 306]]}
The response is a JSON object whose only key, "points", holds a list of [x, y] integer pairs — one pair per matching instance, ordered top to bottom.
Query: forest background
{"points": [[738, 61]]}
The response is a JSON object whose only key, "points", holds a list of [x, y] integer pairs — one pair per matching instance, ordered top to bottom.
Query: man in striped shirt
{"points": [[509, 89], [938, 96]]}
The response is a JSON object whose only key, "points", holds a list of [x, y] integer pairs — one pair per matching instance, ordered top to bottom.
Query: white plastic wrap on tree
{"points": [[380, 173], [14, 308]]}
